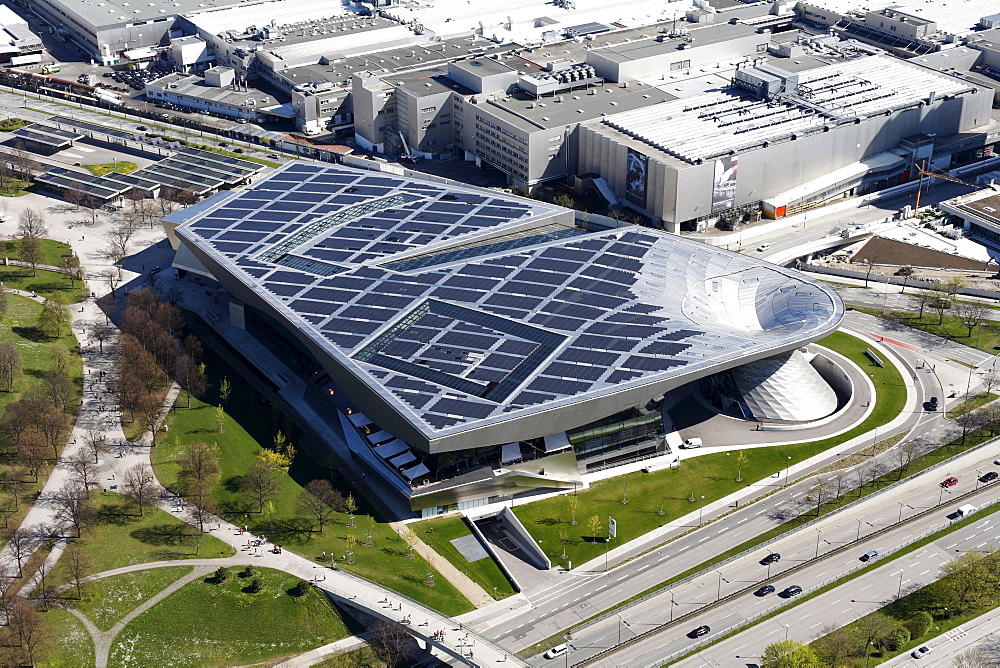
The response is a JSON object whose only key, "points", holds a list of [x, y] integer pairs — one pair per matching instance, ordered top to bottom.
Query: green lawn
{"points": [[10, 124], [120, 166], [15, 188], [54, 252], [44, 283], [249, 424], [706, 478], [440, 531], [123, 538], [108, 600], [207, 624], [68, 644], [359, 658]]}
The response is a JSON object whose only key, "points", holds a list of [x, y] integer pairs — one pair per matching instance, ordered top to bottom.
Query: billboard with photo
{"points": [[635, 178], [724, 185]]}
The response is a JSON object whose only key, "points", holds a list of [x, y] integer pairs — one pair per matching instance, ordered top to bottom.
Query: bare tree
{"points": [[24, 163], [31, 225], [29, 249], [111, 277], [921, 300], [972, 314], [100, 333], [10, 364], [990, 379], [969, 422], [95, 441], [906, 453], [83, 471], [199, 472], [259, 484], [139, 486], [820, 492], [315, 502], [72, 506], [21, 545], [77, 565], [28, 627], [388, 641], [973, 658]]}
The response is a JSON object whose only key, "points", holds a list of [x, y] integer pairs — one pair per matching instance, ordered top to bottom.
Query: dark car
{"points": [[141, 128], [237, 150], [932, 404], [989, 477], [949, 482], [868, 556], [772, 558], [764, 591], [791, 591], [700, 631]]}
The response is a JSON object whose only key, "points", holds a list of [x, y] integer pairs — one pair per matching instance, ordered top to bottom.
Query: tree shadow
{"points": [[32, 334], [232, 483], [116, 514], [548, 521], [295, 531], [162, 534], [393, 552]]}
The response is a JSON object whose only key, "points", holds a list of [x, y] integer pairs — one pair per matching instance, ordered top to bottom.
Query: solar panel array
{"points": [[47, 136], [460, 306]]}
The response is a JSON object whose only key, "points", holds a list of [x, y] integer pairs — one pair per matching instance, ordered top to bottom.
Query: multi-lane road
{"points": [[873, 516]]}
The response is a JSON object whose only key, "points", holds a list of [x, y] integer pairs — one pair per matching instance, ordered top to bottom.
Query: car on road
{"points": [[141, 128], [223, 144], [237, 150], [273, 155], [763, 247], [932, 404], [997, 462], [989, 476], [949, 482], [868, 556], [772, 558], [764, 591], [790, 591], [700, 631], [556, 651], [920, 652]]}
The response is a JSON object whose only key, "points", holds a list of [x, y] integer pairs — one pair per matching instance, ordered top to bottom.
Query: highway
{"points": [[916, 494], [983, 632]]}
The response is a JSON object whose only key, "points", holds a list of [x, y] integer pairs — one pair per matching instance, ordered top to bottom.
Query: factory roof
{"points": [[115, 12], [651, 47], [192, 85], [573, 106], [729, 121], [462, 308]]}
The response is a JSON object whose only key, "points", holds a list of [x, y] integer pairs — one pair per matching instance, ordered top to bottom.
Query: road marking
{"points": [[84, 149], [70, 155], [795, 496], [763, 510], [742, 520], [720, 531], [704, 539], [952, 545], [684, 548], [666, 556], [642, 567], [925, 572], [621, 578], [865, 587], [600, 588], [577, 599], [846, 611], [815, 625], [519, 626], [772, 632]]}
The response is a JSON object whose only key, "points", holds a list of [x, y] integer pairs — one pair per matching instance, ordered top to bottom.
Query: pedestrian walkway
{"points": [[466, 585]]}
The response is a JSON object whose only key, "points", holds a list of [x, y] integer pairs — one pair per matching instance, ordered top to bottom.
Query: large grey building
{"points": [[469, 345]]}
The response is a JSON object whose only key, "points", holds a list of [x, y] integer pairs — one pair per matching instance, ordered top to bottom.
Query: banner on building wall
{"points": [[635, 178], [724, 186]]}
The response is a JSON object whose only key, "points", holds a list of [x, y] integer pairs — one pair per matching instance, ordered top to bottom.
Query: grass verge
{"points": [[47, 284], [950, 327], [440, 531], [108, 600], [232, 626], [68, 644]]}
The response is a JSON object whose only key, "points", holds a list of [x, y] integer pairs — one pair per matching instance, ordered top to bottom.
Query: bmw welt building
{"points": [[471, 345]]}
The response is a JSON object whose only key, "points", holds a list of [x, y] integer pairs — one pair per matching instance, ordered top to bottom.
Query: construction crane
{"points": [[933, 173]]}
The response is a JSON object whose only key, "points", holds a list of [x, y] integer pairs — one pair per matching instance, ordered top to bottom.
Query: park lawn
{"points": [[120, 166], [15, 188], [53, 252], [45, 283], [19, 326], [986, 339], [971, 404], [248, 426], [705, 478], [440, 531], [123, 538], [108, 600], [230, 626], [68, 644], [359, 658]]}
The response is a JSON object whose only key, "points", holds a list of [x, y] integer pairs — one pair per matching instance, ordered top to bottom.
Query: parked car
{"points": [[691, 443], [989, 476], [949, 482], [868, 556], [772, 558], [793, 590], [764, 591], [700, 631], [556, 651], [920, 652]]}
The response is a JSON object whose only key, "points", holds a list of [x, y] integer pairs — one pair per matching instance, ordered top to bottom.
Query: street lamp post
{"points": [[787, 468], [978, 475], [901, 506], [701, 511], [859, 529], [819, 532], [899, 590], [718, 594], [672, 606], [786, 632]]}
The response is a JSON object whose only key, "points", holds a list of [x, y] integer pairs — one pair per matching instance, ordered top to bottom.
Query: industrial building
{"points": [[18, 45], [216, 92], [978, 213], [469, 345]]}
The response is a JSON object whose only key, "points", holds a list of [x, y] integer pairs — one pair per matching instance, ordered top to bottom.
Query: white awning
{"points": [[139, 54], [359, 419], [379, 437], [554, 442], [391, 449], [510, 453], [404, 459], [416, 472]]}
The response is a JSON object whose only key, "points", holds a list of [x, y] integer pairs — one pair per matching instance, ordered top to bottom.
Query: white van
{"points": [[692, 443], [966, 510]]}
